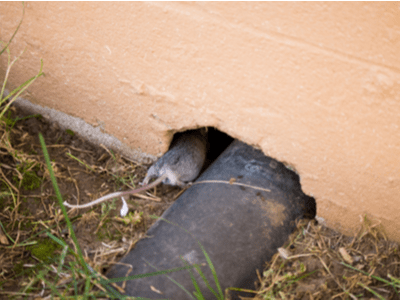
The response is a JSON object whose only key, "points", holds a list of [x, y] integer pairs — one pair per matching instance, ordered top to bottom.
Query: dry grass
{"points": [[29, 213], [320, 263]]}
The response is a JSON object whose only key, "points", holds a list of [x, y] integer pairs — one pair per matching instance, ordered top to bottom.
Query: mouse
{"points": [[179, 166]]}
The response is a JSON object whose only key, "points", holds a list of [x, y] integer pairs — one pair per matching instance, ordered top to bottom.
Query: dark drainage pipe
{"points": [[239, 226]]}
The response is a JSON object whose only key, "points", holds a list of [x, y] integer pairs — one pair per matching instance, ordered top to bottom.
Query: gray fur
{"points": [[182, 163]]}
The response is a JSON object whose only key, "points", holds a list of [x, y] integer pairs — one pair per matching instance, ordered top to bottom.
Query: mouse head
{"points": [[155, 172], [171, 177]]}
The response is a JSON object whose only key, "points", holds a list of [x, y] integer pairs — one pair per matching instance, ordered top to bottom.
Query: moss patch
{"points": [[30, 180], [44, 249]]}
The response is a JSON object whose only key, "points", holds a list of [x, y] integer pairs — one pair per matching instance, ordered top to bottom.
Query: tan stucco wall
{"points": [[316, 85]]}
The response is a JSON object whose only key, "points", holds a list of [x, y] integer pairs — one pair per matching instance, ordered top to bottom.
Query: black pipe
{"points": [[240, 226]]}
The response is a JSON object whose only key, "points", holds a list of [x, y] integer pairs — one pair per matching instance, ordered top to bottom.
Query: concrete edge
{"points": [[92, 134]]}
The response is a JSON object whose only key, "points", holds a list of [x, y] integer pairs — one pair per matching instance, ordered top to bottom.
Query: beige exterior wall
{"points": [[315, 85]]}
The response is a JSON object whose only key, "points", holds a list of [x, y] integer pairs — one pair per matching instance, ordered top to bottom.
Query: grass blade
{"points": [[16, 30], [19, 90], [60, 201], [210, 264], [373, 276], [174, 281], [371, 291], [198, 292]]}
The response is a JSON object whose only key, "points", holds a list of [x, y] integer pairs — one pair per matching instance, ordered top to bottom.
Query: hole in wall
{"points": [[218, 141], [310, 205]]}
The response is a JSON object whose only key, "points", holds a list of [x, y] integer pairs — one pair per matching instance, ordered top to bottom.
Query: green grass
{"points": [[72, 262]]}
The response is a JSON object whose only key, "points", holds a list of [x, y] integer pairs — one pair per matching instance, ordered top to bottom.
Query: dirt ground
{"points": [[92, 172], [317, 262], [320, 263]]}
